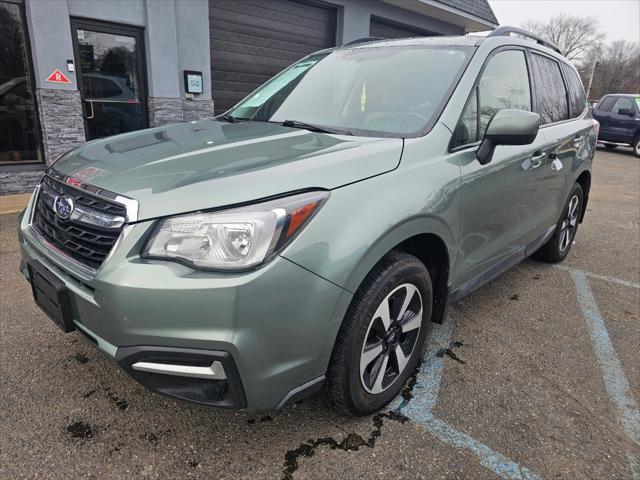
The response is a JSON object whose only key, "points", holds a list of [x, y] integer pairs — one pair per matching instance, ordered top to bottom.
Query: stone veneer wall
{"points": [[196, 109], [175, 110], [60, 121], [19, 182]]}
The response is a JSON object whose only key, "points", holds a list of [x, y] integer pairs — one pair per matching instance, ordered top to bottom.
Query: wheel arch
{"points": [[425, 238], [431, 250]]}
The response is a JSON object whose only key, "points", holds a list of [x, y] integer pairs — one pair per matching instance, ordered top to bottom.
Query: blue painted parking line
{"points": [[606, 278], [429, 377], [615, 381], [425, 390], [425, 396]]}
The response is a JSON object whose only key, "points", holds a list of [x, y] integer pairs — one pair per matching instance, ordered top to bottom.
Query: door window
{"points": [[504, 83], [550, 93], [577, 98], [622, 103], [606, 104], [19, 131], [467, 131]]}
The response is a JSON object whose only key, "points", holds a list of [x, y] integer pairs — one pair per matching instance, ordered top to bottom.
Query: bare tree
{"points": [[575, 36], [617, 69]]}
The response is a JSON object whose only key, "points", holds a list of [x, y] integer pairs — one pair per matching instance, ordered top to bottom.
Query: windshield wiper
{"points": [[227, 118], [231, 119], [313, 128]]}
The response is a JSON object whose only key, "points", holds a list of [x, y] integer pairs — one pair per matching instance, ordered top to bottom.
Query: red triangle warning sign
{"points": [[58, 77]]}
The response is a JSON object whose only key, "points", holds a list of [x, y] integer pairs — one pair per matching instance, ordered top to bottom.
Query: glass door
{"points": [[111, 79], [19, 130]]}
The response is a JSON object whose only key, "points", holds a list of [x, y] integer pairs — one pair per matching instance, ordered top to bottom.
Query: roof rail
{"points": [[506, 31], [363, 40]]}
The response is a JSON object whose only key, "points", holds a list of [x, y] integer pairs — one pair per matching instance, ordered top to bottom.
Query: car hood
{"points": [[209, 163]]}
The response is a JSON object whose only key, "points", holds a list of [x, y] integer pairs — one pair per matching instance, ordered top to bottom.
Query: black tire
{"points": [[610, 146], [636, 147], [557, 247], [396, 273]]}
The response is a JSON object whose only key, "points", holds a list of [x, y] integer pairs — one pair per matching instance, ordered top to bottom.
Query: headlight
{"points": [[236, 239]]}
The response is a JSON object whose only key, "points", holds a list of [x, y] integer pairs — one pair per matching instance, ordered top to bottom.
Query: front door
{"points": [[110, 72], [622, 122], [498, 213]]}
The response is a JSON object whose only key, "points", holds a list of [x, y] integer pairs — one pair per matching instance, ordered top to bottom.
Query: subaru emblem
{"points": [[63, 207]]}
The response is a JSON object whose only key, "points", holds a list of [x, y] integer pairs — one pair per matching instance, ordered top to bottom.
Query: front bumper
{"points": [[275, 326]]}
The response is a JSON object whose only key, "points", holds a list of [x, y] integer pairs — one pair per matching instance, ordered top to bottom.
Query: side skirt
{"points": [[502, 266]]}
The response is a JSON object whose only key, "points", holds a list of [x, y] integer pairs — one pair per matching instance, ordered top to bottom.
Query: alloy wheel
{"points": [[569, 224], [391, 338]]}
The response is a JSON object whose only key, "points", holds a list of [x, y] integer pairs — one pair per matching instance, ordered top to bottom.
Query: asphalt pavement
{"points": [[536, 375]]}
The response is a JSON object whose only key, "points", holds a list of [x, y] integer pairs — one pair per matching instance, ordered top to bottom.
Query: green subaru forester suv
{"points": [[306, 238]]}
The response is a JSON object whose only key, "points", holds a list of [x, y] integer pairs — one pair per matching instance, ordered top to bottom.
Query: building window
{"points": [[19, 133]]}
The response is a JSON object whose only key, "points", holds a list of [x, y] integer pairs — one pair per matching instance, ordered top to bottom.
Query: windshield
{"points": [[390, 90]]}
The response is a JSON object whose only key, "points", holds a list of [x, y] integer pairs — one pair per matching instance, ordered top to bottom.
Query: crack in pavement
{"points": [[351, 443]]}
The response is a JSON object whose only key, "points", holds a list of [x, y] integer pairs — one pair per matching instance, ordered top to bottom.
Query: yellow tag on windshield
{"points": [[363, 97]]}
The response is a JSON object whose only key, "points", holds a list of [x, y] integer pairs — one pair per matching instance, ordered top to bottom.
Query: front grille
{"points": [[80, 198], [78, 238]]}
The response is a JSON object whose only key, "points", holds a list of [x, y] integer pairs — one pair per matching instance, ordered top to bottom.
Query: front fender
{"points": [[361, 222]]}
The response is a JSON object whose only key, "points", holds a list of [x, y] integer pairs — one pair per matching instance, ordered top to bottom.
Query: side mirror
{"points": [[625, 111], [508, 127]]}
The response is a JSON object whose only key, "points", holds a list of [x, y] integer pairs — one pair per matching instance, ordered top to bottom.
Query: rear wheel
{"points": [[636, 147], [558, 246], [382, 336]]}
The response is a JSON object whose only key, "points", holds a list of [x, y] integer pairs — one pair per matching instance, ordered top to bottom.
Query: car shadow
{"points": [[617, 150]]}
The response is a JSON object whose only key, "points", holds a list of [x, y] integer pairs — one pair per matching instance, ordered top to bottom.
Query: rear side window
{"points": [[504, 83], [550, 92], [577, 98]]}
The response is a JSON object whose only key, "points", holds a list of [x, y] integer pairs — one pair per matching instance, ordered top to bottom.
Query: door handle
{"points": [[89, 117], [577, 140], [536, 159]]}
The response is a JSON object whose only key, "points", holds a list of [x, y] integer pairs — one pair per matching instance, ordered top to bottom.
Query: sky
{"points": [[619, 19]]}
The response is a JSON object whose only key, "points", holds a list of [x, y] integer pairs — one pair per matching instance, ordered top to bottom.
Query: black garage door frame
{"points": [[385, 28], [252, 40]]}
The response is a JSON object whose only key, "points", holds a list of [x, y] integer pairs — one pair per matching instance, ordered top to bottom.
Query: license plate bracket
{"points": [[51, 295]]}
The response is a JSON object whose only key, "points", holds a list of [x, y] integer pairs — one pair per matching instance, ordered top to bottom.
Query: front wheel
{"points": [[636, 147], [558, 246], [382, 335]]}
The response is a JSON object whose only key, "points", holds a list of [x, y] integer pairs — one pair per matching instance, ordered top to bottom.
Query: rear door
{"points": [[564, 135], [498, 212]]}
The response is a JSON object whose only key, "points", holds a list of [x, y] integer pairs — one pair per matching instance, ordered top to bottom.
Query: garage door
{"points": [[385, 29], [252, 40]]}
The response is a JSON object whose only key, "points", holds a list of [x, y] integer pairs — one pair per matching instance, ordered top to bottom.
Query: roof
{"points": [[479, 8], [502, 38], [461, 40]]}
